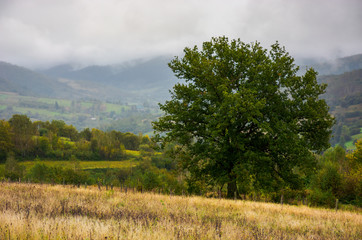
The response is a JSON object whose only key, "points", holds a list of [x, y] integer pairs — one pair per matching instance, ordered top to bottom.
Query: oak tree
{"points": [[244, 114]]}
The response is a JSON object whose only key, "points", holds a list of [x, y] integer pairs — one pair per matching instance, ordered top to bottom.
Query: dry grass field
{"points": [[30, 211]]}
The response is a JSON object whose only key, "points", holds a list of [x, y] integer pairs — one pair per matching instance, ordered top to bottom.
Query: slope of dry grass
{"points": [[29, 211]]}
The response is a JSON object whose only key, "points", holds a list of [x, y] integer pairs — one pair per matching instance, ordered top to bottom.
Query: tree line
{"points": [[21, 139], [57, 140]]}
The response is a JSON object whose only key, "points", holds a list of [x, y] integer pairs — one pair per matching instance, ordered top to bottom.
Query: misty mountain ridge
{"points": [[334, 66], [156, 70], [130, 74], [154, 75], [150, 79], [137, 81], [29, 83]]}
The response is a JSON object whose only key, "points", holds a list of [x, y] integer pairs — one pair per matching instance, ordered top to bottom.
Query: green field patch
{"points": [[3, 96], [61, 102], [86, 104], [116, 108], [25, 110], [357, 136], [350, 146], [133, 153], [83, 164], [108, 164]]}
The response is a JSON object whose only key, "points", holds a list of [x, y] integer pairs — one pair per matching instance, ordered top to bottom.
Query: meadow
{"points": [[84, 164], [31, 211]]}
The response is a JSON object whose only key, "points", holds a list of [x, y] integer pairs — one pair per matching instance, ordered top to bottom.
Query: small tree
{"points": [[243, 113], [22, 133], [5, 140], [75, 162], [13, 170]]}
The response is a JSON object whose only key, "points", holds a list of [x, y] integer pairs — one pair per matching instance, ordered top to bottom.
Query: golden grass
{"points": [[29, 211]]}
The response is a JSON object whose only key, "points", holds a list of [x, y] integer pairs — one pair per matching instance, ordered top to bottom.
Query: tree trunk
{"points": [[232, 189]]}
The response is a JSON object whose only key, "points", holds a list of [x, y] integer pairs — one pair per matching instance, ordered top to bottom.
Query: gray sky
{"points": [[43, 33]]}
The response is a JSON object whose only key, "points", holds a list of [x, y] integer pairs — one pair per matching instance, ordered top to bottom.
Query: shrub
{"points": [[13, 170], [39, 172], [318, 197]]}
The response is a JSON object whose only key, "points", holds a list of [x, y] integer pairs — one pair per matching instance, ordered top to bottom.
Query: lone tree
{"points": [[244, 115]]}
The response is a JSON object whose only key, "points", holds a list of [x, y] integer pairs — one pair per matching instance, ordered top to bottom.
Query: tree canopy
{"points": [[244, 117]]}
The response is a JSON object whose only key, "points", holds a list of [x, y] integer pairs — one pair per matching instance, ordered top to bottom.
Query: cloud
{"points": [[42, 33]]}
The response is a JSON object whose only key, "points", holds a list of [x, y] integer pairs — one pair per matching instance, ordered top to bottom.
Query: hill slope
{"points": [[334, 67], [138, 81], [29, 83], [344, 96]]}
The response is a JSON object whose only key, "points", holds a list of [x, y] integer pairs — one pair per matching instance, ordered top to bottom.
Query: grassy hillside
{"points": [[26, 82], [344, 96], [79, 213]]}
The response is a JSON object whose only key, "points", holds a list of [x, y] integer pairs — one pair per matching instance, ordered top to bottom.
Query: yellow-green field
{"points": [[350, 145], [133, 152], [84, 164], [29, 211]]}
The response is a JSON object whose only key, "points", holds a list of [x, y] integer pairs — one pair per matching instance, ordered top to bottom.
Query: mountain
{"points": [[333, 67], [90, 73], [137, 81], [29, 83], [343, 86], [344, 96]]}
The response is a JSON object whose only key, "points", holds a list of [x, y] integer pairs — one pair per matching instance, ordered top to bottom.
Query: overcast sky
{"points": [[43, 33]]}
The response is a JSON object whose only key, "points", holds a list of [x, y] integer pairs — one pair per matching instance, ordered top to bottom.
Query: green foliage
{"points": [[243, 110], [22, 131], [57, 140], [6, 144], [42, 146], [146, 150], [13, 170], [39, 173], [42, 173], [338, 176], [353, 176], [150, 177], [329, 179], [318, 197]]}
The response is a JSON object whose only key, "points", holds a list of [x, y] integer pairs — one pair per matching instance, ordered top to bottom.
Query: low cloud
{"points": [[41, 33]]}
